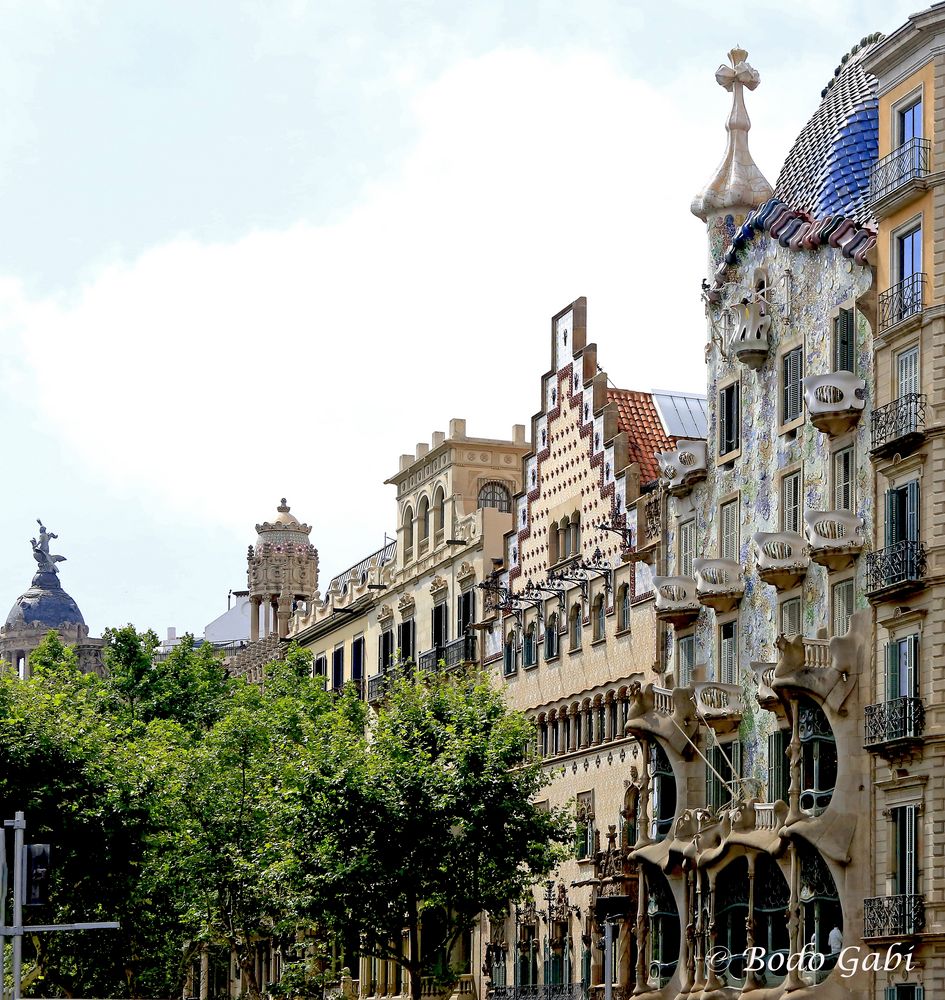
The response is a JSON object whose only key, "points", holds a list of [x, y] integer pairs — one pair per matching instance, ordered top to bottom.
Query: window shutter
{"points": [[844, 341], [907, 370], [791, 503], [912, 510], [892, 517], [791, 617], [913, 653], [892, 671], [735, 753], [910, 850], [891, 992]]}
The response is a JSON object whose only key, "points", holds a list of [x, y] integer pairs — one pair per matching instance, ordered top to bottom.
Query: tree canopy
{"points": [[196, 808]]}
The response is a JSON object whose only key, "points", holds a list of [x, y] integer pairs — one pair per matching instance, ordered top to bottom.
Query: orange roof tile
{"points": [[638, 418]]}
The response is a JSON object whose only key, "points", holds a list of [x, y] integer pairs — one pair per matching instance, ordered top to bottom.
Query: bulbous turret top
{"points": [[738, 185], [284, 528]]}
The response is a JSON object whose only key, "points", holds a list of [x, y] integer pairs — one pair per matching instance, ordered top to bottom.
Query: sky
{"points": [[260, 249]]}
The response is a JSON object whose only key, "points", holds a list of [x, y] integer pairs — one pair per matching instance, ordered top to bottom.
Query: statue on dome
{"points": [[46, 562]]}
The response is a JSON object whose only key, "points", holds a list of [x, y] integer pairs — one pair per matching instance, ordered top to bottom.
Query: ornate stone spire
{"points": [[738, 183]]}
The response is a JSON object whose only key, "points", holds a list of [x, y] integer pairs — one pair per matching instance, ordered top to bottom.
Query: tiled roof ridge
{"points": [[861, 46], [797, 230], [638, 417]]}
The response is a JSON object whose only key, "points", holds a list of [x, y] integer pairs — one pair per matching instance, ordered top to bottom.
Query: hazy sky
{"points": [[259, 249]]}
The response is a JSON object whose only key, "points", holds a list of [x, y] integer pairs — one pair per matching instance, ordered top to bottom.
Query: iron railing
{"points": [[909, 162], [902, 300], [902, 418], [903, 562], [460, 651], [427, 661], [376, 688], [889, 721], [893, 916], [548, 991]]}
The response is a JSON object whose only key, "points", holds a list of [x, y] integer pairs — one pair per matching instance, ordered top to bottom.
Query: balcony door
{"points": [[910, 123], [907, 372], [902, 513], [440, 625], [902, 657]]}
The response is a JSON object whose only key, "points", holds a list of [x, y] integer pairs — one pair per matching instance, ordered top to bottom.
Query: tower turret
{"points": [[737, 186], [282, 569]]}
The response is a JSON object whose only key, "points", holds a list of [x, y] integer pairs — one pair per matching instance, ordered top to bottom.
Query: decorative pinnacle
{"points": [[737, 183], [283, 507]]}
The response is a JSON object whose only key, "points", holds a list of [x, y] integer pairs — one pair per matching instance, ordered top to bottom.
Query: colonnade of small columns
{"points": [[267, 617], [583, 724]]}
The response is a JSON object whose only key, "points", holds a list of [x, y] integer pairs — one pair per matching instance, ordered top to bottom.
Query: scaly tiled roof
{"points": [[827, 171], [639, 418], [379, 558]]}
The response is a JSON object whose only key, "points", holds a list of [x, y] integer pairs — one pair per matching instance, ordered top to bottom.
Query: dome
{"points": [[827, 171], [284, 529], [45, 604]]}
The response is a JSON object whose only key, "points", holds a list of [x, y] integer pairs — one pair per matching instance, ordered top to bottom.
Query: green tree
{"points": [[433, 811]]}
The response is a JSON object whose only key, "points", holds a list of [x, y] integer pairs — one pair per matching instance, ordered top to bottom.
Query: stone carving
{"points": [[45, 561]]}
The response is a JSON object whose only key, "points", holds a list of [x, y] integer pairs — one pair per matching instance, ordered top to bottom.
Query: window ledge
{"points": [[792, 425], [729, 456], [622, 632], [600, 641], [575, 651], [552, 659], [530, 666]]}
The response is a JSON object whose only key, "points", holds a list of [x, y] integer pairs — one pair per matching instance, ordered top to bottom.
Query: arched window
{"points": [[496, 495], [439, 514], [423, 521], [575, 530], [408, 532], [564, 538], [553, 544], [623, 603], [599, 617], [575, 624], [551, 637], [529, 647], [511, 653], [543, 736], [818, 758], [662, 792]]}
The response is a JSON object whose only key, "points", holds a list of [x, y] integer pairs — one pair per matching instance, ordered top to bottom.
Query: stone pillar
{"points": [[254, 619], [794, 753], [643, 800], [642, 926], [688, 932], [699, 934], [624, 951], [204, 973], [793, 980], [712, 981], [750, 982]]}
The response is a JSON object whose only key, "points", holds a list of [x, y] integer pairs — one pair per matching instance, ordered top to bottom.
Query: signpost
{"points": [[16, 930]]}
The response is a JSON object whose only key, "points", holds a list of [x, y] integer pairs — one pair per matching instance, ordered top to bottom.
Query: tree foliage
{"points": [[196, 808]]}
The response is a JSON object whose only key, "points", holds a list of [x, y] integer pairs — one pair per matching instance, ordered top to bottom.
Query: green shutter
{"points": [[912, 511], [892, 517], [913, 645], [892, 671]]}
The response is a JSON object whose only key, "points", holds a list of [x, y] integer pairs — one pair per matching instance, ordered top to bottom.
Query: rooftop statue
{"points": [[46, 562]]}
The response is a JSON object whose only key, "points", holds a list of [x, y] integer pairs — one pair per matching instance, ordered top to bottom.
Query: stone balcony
{"points": [[750, 342], [835, 402], [681, 469], [835, 537], [783, 558], [720, 583], [676, 600], [766, 696], [720, 706]]}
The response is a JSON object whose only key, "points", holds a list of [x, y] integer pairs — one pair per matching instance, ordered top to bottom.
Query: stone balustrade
{"points": [[750, 340], [835, 402], [681, 469], [835, 537], [783, 558], [720, 583], [676, 600], [719, 705]]}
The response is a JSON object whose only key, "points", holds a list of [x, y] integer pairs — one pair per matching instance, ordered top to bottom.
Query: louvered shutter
{"points": [[844, 341], [907, 371], [843, 479], [791, 503], [912, 510], [892, 517], [729, 530], [687, 532], [842, 607], [791, 617], [912, 646], [892, 671], [735, 754], [909, 854]]}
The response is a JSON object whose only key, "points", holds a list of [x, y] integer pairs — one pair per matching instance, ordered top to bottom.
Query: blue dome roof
{"points": [[827, 171], [45, 603]]}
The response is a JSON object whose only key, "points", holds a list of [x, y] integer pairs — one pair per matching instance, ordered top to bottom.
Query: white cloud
{"points": [[215, 378]]}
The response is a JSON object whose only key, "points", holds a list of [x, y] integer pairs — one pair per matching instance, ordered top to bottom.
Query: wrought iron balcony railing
{"points": [[907, 163], [902, 301], [898, 422], [897, 566], [460, 651], [427, 661], [377, 688], [897, 721], [893, 916], [548, 991]]}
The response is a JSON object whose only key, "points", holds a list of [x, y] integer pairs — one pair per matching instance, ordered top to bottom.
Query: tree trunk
{"points": [[247, 964], [414, 966]]}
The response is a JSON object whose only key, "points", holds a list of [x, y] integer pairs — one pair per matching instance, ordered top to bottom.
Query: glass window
{"points": [[910, 122], [909, 253], [844, 341], [792, 398], [728, 419], [843, 473], [496, 495], [791, 503], [902, 513], [728, 530], [687, 545], [842, 601], [624, 608], [465, 611], [600, 617], [791, 617], [576, 623], [406, 633], [551, 637], [529, 647], [385, 650], [728, 653], [511, 654], [357, 658], [686, 659], [902, 661], [321, 665], [723, 769], [779, 771], [662, 792], [906, 871]]}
